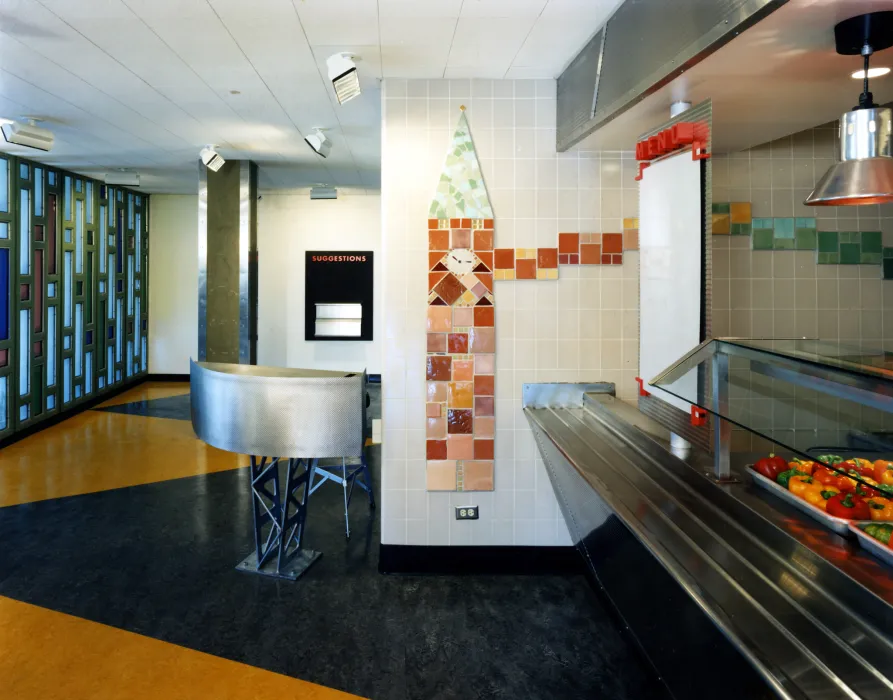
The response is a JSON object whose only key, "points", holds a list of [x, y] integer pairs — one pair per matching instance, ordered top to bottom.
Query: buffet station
{"points": [[286, 420]]}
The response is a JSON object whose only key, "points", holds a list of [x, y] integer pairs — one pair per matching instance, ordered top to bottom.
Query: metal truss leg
{"points": [[346, 496], [279, 518]]}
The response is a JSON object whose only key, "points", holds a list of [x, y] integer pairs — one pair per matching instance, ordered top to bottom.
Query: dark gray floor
{"points": [[159, 560]]}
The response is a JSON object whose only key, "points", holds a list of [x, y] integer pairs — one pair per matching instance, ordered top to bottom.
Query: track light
{"points": [[344, 77], [29, 134], [319, 143], [211, 158]]}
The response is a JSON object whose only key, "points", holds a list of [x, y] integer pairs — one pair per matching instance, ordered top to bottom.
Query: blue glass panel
{"points": [[23, 171], [51, 177], [78, 185], [38, 191], [4, 196], [120, 196], [89, 197], [67, 198], [139, 201], [111, 207], [129, 211], [4, 229], [25, 233], [120, 234], [68, 235], [79, 237], [103, 239], [138, 243], [136, 282], [102, 283], [120, 284], [130, 285], [51, 290], [68, 290], [4, 293], [119, 322], [144, 325], [136, 327], [111, 331], [78, 339], [89, 340], [66, 341], [51, 346], [24, 351], [143, 357], [129, 358], [110, 365], [117, 375], [88, 379], [66, 380], [102, 382], [77, 391], [51, 402], [4, 411], [23, 412]]}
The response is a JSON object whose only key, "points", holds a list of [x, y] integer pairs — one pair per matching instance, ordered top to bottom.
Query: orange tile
{"points": [[740, 212], [433, 223], [455, 223], [466, 223], [488, 223], [721, 224], [460, 238], [631, 239], [438, 240], [483, 240], [568, 243], [612, 243], [590, 254], [486, 257], [434, 258], [504, 258], [546, 258], [606, 259], [617, 259], [525, 269], [434, 279], [486, 279], [463, 316], [484, 316], [440, 319], [482, 340], [437, 342], [457, 343], [484, 364], [438, 368], [463, 371], [483, 385], [436, 392], [461, 395], [484, 406], [433, 410], [460, 421], [484, 426], [436, 428], [460, 447], [436, 449], [483, 449], [441, 476], [477, 476]]}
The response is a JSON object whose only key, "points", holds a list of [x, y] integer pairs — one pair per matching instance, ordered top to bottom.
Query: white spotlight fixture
{"points": [[875, 72], [343, 74], [29, 134], [319, 143], [211, 158]]}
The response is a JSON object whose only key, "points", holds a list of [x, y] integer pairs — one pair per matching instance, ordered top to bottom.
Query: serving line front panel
{"points": [[722, 586]]}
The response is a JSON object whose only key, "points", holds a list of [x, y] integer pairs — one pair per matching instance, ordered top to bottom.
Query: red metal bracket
{"points": [[696, 152], [642, 167], [641, 383], [698, 416]]}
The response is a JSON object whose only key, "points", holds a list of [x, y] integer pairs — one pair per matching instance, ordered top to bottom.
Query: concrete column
{"points": [[227, 263]]}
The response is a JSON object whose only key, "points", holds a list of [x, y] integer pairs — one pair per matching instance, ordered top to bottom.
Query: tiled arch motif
{"points": [[463, 265]]}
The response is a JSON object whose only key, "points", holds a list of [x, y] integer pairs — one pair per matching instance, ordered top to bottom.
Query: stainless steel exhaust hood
{"points": [[864, 174]]}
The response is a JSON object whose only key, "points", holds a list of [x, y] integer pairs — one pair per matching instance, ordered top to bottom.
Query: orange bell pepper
{"points": [[807, 466], [883, 472], [798, 484], [881, 508]]}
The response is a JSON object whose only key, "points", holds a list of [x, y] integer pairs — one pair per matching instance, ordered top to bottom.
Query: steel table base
{"points": [[297, 564]]}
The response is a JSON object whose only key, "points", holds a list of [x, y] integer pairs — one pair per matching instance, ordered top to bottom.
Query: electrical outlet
{"points": [[466, 512]]}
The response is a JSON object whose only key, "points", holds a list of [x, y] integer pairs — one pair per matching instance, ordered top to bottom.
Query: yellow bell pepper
{"points": [[798, 484], [818, 495], [881, 508]]}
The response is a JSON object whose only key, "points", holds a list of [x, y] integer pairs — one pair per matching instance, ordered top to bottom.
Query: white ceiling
{"points": [[779, 77], [144, 84]]}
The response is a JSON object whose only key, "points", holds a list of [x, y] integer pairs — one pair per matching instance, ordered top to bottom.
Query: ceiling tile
{"points": [[414, 8], [503, 8], [489, 44]]}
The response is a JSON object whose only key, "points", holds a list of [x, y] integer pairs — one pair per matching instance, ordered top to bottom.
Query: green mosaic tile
{"points": [[722, 208], [805, 222], [763, 223], [784, 227], [741, 229], [849, 237], [763, 239], [805, 239], [828, 242], [872, 242], [784, 243], [888, 253], [850, 254], [829, 258], [871, 258], [888, 269]]}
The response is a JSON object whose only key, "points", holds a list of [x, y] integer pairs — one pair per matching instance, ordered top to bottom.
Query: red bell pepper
{"points": [[771, 466], [846, 505]]}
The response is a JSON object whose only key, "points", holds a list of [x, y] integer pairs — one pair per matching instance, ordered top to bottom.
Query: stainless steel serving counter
{"points": [[728, 591]]}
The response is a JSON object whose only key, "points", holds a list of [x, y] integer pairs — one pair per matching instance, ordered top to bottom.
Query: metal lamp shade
{"points": [[864, 174]]}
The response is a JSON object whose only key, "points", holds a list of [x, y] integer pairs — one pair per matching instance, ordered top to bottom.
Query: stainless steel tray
{"points": [[840, 525], [878, 549]]}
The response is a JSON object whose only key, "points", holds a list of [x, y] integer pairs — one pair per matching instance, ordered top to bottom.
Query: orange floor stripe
{"points": [[148, 391], [97, 451], [46, 655]]}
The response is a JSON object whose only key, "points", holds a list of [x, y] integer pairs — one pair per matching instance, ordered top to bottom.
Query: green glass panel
{"points": [[38, 191], [4, 192], [722, 208], [805, 222], [784, 227], [741, 229], [763, 239], [805, 239], [828, 242], [872, 242], [784, 243], [888, 253], [850, 254], [829, 258], [871, 258], [888, 268]]}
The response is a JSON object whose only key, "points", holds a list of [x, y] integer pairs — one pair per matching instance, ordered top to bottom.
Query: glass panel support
{"points": [[722, 429]]}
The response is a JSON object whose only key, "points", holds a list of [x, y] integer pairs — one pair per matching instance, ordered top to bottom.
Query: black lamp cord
{"points": [[866, 99]]}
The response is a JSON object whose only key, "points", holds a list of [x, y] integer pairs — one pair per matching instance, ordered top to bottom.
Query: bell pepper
{"points": [[830, 459], [804, 465], [770, 466], [863, 466], [883, 472], [785, 476], [825, 476], [845, 482], [798, 484], [864, 487], [817, 495], [846, 505], [881, 508], [880, 532]]}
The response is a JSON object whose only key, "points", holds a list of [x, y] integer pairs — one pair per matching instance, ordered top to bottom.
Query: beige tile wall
{"points": [[583, 327]]}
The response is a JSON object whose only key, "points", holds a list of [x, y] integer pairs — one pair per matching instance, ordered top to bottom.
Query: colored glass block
{"points": [[722, 208], [740, 213], [761, 223], [721, 224], [784, 227], [741, 229], [849, 237], [763, 239], [805, 239], [828, 242], [872, 242], [568, 243], [612, 243], [783, 243], [888, 253], [590, 254], [850, 254], [504, 258], [546, 258], [829, 258], [871, 258], [888, 268], [525, 269], [4, 358]]}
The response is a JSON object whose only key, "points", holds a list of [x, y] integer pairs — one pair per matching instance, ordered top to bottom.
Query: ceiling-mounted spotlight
{"points": [[343, 74], [28, 134], [319, 143], [211, 158], [864, 174], [123, 176]]}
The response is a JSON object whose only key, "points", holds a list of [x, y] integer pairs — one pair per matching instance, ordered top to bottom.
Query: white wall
{"points": [[288, 225], [173, 282], [583, 327]]}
